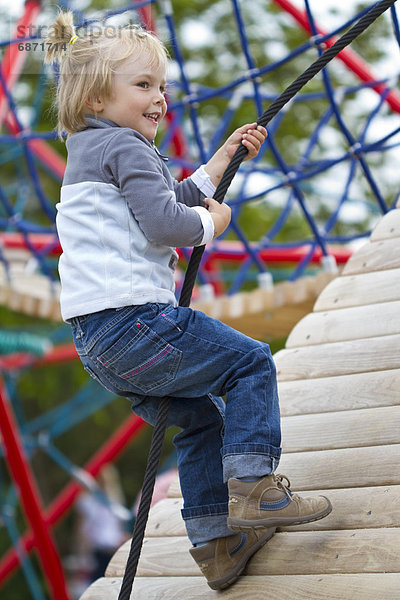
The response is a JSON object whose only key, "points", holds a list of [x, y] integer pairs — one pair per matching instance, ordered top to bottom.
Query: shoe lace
{"points": [[280, 482]]}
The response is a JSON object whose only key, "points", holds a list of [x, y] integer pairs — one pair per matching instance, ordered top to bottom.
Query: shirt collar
{"points": [[95, 122]]}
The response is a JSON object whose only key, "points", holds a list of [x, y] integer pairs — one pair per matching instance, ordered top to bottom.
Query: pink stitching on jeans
{"points": [[148, 364]]}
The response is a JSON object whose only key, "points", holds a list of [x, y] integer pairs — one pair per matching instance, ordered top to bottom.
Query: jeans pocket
{"points": [[140, 358]]}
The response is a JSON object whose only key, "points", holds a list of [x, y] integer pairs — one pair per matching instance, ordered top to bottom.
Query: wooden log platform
{"points": [[25, 290], [269, 313], [339, 385]]}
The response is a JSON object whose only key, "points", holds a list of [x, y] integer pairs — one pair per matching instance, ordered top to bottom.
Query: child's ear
{"points": [[96, 105]]}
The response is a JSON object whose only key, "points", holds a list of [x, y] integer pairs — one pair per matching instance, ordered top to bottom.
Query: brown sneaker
{"points": [[269, 503], [222, 560]]}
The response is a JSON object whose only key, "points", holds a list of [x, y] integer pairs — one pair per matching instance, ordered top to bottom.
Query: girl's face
{"points": [[137, 100]]}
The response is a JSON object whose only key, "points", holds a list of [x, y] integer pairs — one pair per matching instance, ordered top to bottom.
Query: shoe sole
{"points": [[246, 524], [224, 582]]}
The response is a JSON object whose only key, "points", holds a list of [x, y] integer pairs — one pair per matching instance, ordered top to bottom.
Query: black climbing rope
{"points": [[191, 274]]}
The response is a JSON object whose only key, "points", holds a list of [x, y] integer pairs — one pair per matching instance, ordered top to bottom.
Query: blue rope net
{"points": [[324, 177], [298, 193]]}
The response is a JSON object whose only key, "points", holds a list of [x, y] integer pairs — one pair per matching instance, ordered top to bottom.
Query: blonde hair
{"points": [[89, 61]]}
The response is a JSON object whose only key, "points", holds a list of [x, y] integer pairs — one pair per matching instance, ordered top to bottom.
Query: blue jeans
{"points": [[155, 350]]}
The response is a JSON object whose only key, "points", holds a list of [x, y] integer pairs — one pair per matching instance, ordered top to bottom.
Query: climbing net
{"points": [[326, 170], [326, 173]]}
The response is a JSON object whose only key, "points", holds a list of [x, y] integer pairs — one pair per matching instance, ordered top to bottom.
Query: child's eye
{"points": [[143, 84]]}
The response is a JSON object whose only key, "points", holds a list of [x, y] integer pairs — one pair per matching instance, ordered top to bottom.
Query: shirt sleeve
{"points": [[135, 167], [203, 181], [192, 190]]}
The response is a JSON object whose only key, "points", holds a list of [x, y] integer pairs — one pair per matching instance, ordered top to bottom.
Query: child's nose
{"points": [[159, 98]]}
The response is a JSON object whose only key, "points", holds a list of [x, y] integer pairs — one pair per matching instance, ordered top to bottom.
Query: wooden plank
{"points": [[388, 227], [377, 256], [301, 290], [357, 290], [32, 294], [261, 300], [267, 314], [272, 324], [346, 324], [339, 358], [343, 392], [348, 429], [343, 468], [331, 469], [174, 490], [353, 508], [357, 508], [165, 519], [322, 552], [328, 552], [160, 557], [370, 586]]}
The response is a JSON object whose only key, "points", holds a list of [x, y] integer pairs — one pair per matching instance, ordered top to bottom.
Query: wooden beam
{"points": [[388, 227], [377, 256], [358, 290], [31, 294], [267, 314], [344, 324], [339, 358], [339, 393], [345, 429], [343, 468], [331, 469], [353, 508], [287, 553], [371, 586]]}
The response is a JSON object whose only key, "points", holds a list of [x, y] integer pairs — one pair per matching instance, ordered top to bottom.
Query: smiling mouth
{"points": [[153, 117]]}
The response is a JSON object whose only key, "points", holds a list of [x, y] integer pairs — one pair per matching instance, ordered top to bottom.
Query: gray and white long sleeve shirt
{"points": [[120, 216]]}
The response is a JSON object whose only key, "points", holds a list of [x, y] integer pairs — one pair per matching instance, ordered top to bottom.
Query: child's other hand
{"points": [[250, 135], [220, 214]]}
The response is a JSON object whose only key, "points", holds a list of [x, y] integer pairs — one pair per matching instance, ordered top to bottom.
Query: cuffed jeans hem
{"points": [[248, 465], [204, 527]]}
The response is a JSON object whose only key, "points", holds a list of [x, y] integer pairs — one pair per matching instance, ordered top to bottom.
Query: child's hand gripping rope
{"points": [[251, 136]]}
